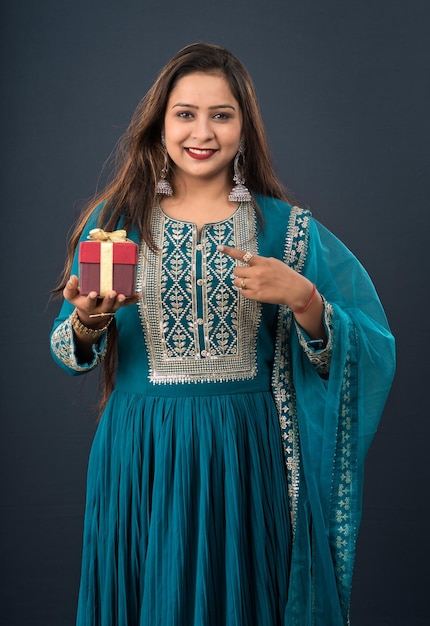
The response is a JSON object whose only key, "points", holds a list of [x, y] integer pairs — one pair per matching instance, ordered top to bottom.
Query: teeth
{"points": [[198, 151]]}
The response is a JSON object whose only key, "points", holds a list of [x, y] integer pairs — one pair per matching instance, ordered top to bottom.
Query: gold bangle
{"points": [[81, 329]]}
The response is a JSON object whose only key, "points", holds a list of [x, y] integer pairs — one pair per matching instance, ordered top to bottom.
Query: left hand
{"points": [[269, 280], [91, 308]]}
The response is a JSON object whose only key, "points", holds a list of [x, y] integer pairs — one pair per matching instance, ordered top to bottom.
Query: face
{"points": [[202, 127]]}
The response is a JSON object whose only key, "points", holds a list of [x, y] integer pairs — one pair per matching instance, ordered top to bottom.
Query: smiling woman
{"points": [[202, 129], [254, 360]]}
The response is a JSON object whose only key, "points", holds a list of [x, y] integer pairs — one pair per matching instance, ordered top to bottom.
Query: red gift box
{"points": [[107, 262]]}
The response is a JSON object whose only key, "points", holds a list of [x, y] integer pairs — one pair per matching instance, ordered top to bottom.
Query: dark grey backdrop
{"points": [[344, 89]]}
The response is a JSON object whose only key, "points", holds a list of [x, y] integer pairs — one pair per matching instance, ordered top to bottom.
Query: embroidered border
{"points": [[296, 247], [192, 336], [63, 346], [320, 359], [343, 523]]}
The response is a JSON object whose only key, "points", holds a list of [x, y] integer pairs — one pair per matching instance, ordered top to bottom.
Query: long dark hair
{"points": [[131, 193]]}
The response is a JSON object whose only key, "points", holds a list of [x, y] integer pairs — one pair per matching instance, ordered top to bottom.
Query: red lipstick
{"points": [[200, 154]]}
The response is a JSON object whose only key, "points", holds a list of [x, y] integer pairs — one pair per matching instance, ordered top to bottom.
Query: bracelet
{"points": [[309, 302], [81, 329]]}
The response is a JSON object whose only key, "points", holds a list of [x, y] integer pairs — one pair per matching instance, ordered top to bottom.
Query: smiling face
{"points": [[202, 127]]}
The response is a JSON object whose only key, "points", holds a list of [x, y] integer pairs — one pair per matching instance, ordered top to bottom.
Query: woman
{"points": [[243, 381]]}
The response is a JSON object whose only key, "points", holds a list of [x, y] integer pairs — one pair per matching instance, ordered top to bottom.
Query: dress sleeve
{"points": [[62, 339], [63, 348], [318, 355]]}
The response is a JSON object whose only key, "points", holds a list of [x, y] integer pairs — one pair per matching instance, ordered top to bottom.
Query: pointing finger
{"points": [[235, 253]]}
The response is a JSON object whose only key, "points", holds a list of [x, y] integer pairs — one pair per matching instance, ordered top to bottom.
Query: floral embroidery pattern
{"points": [[296, 245], [197, 325], [63, 346], [320, 359], [344, 497]]}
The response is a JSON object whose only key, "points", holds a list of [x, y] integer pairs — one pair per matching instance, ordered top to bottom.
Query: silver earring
{"points": [[163, 186], [239, 193]]}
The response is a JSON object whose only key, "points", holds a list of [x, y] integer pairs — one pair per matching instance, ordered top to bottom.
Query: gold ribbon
{"points": [[116, 236], [107, 239]]}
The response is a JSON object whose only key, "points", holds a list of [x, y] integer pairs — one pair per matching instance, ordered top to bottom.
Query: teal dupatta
{"points": [[327, 422]]}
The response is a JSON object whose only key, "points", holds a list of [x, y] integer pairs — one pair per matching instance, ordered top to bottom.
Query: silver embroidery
{"points": [[296, 243], [296, 246], [198, 327], [63, 346], [322, 358], [285, 399], [344, 491]]}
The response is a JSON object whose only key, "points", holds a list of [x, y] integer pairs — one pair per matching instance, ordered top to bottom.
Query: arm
{"points": [[270, 280], [274, 282]]}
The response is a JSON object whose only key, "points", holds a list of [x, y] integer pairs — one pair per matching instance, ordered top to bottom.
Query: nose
{"points": [[202, 129]]}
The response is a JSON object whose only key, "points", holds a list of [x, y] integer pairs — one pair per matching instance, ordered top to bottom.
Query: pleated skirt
{"points": [[187, 520]]}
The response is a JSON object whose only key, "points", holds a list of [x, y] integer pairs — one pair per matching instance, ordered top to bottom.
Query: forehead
{"points": [[202, 87]]}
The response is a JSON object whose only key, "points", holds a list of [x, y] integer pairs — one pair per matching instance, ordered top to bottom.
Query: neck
{"points": [[195, 190], [199, 201]]}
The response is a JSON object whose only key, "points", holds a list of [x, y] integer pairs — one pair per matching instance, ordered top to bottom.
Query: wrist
{"points": [[308, 302], [87, 331]]}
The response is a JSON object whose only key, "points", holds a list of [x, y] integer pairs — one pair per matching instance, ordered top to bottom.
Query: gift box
{"points": [[107, 262]]}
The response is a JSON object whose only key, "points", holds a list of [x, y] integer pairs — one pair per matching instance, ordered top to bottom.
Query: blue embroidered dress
{"points": [[225, 477]]}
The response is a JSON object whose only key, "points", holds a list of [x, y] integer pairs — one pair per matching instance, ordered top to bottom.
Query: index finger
{"points": [[235, 253]]}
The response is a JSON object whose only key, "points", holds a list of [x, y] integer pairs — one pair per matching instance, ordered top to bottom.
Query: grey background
{"points": [[344, 90]]}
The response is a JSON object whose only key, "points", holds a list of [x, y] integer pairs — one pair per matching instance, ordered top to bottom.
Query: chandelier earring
{"points": [[163, 186], [239, 193]]}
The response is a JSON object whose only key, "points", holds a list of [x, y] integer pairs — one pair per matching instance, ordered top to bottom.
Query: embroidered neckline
{"points": [[206, 224], [197, 326]]}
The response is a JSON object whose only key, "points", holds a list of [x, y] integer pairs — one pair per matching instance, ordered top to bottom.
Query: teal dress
{"points": [[225, 477]]}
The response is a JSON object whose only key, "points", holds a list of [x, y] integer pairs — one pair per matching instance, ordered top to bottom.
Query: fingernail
{"points": [[220, 248]]}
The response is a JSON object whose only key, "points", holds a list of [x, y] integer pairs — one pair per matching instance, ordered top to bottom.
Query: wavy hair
{"points": [[130, 194]]}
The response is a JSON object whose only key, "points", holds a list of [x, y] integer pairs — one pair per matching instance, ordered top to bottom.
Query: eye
{"points": [[184, 115], [221, 116]]}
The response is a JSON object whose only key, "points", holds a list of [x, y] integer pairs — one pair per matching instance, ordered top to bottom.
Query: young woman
{"points": [[243, 381]]}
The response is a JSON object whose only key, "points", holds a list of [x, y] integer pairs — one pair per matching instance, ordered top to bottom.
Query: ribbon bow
{"points": [[116, 236]]}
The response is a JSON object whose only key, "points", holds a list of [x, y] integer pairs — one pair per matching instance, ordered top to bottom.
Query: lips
{"points": [[200, 153]]}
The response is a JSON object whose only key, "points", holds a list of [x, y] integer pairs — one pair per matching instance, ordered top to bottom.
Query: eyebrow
{"points": [[193, 106]]}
